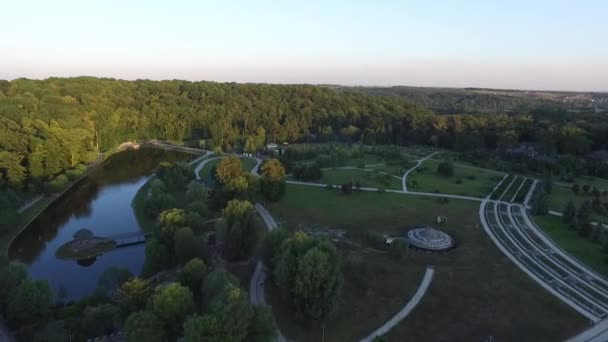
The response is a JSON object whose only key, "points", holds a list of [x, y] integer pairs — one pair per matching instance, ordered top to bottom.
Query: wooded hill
{"points": [[47, 126]]}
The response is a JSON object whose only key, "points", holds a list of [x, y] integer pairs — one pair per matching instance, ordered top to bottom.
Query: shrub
{"points": [[472, 177], [459, 181], [381, 190]]}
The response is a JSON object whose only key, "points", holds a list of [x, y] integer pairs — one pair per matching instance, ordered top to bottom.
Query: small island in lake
{"points": [[84, 245]]}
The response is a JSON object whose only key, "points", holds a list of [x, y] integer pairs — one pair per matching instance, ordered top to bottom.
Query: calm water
{"points": [[101, 203]]}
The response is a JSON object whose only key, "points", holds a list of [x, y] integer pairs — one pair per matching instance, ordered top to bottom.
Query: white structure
{"points": [[429, 238]]}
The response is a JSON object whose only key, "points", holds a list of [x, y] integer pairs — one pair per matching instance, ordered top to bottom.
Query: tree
{"points": [[10, 164], [446, 168], [229, 173], [177, 176], [548, 183], [272, 184], [576, 188], [586, 188], [196, 192], [596, 193], [539, 202], [584, 212], [569, 216], [171, 220], [238, 229], [187, 246], [271, 246], [157, 256], [309, 270], [192, 274], [11, 276], [318, 281], [216, 282], [134, 294], [29, 303], [172, 304], [232, 310], [100, 320], [144, 326], [262, 327], [203, 328]]}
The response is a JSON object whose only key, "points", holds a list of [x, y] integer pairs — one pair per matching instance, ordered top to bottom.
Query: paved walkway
{"points": [[418, 163], [29, 203], [256, 284], [386, 327], [597, 333], [5, 334]]}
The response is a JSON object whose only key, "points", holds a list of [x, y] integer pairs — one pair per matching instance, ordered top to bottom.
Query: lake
{"points": [[101, 203]]}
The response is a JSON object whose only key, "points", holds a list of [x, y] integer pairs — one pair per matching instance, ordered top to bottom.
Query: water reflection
{"points": [[101, 203]]}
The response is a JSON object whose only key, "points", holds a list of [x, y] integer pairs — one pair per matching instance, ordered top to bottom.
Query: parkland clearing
{"points": [[341, 233]]}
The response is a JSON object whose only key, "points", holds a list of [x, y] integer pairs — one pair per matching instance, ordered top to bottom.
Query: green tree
{"points": [[10, 165], [446, 168], [272, 184], [576, 188], [196, 192], [584, 212], [569, 216], [170, 221], [238, 229], [187, 245], [271, 246], [157, 256], [192, 274], [11, 276], [216, 281], [318, 281], [134, 294], [29, 303], [172, 304], [232, 309], [100, 320], [144, 326], [262, 327], [203, 328]]}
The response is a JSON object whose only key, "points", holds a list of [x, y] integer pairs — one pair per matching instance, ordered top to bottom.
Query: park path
{"points": [[418, 163], [29, 203], [256, 284], [420, 292], [597, 333]]}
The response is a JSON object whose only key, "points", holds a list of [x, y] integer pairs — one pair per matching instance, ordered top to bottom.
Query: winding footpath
{"points": [[418, 163], [420, 292]]}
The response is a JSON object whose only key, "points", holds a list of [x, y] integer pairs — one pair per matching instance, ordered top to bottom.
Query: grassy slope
{"points": [[367, 179], [430, 181], [560, 195], [583, 249], [476, 292]]}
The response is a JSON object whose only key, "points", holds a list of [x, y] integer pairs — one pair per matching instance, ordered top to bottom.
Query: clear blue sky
{"points": [[508, 44]]}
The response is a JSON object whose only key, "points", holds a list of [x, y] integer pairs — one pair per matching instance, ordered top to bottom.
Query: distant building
{"points": [[524, 149], [599, 155]]}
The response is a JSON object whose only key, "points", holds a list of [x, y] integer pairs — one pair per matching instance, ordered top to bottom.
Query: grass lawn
{"points": [[365, 178], [476, 183], [561, 195], [583, 249], [476, 292]]}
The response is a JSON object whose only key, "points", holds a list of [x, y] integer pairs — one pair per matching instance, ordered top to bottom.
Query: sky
{"points": [[553, 45]]}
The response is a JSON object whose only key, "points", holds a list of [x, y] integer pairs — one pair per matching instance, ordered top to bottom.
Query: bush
{"points": [[446, 168], [473, 177], [459, 181], [381, 190]]}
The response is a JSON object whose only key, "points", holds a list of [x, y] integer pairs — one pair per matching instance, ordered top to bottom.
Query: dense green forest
{"points": [[49, 126]]}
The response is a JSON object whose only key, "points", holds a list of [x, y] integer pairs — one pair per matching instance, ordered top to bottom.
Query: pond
{"points": [[101, 203]]}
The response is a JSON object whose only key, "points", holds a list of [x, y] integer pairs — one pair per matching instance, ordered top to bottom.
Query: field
{"points": [[365, 178], [465, 181], [561, 195], [583, 249], [476, 293]]}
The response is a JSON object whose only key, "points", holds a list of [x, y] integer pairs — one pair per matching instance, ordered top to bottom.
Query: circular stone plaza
{"points": [[430, 239]]}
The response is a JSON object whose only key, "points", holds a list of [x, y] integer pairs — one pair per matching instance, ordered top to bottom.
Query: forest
{"points": [[53, 126]]}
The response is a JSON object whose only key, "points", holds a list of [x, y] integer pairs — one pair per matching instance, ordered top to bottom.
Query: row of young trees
{"points": [[47, 126]]}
